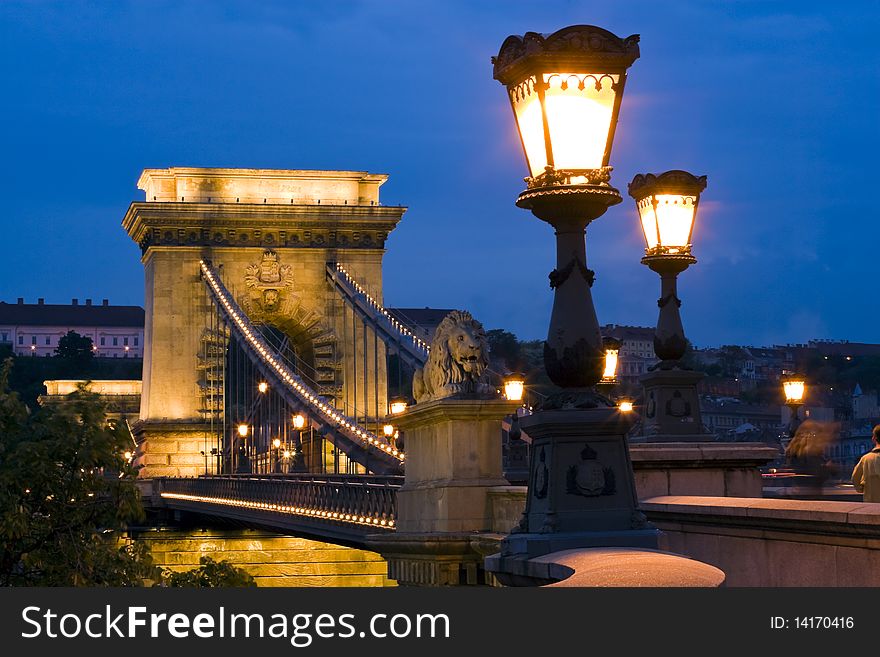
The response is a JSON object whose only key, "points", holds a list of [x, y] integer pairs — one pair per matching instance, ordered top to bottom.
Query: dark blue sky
{"points": [[777, 102]]}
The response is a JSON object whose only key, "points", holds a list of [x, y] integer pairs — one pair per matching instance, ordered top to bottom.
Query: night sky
{"points": [[776, 102]]}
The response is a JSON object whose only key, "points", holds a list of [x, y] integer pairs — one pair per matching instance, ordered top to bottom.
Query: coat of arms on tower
{"points": [[269, 285]]}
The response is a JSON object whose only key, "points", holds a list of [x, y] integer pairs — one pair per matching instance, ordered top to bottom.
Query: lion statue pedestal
{"points": [[453, 460]]}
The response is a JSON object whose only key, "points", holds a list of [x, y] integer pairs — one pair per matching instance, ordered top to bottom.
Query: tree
{"points": [[504, 346], [76, 352], [67, 494], [210, 573]]}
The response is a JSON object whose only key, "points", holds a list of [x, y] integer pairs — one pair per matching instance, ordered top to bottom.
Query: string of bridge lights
{"points": [[398, 326], [304, 392], [304, 511]]}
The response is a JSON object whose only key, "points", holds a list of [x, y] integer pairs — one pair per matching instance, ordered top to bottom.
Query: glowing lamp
{"points": [[565, 91], [667, 205], [612, 351], [263, 386], [514, 386], [794, 388], [398, 405], [625, 406], [299, 421], [243, 430], [388, 430], [276, 443], [286, 454], [127, 455]]}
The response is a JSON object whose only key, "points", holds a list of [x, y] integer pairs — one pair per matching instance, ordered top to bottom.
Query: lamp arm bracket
{"points": [[559, 276]]}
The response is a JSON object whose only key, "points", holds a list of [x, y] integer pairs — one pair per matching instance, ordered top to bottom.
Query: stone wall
{"points": [[764, 542], [272, 559]]}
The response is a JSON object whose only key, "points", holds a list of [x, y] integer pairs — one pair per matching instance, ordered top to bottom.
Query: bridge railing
{"points": [[357, 501]]}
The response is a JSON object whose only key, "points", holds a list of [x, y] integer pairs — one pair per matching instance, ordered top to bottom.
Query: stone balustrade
{"points": [[772, 542]]}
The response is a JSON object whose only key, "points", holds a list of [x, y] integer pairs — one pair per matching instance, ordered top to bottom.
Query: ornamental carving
{"points": [[577, 41], [268, 283], [589, 478]]}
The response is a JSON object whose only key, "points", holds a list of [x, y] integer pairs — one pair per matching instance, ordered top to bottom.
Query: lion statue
{"points": [[457, 362]]}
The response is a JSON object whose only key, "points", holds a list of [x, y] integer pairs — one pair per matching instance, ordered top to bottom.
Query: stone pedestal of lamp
{"points": [[453, 462]]}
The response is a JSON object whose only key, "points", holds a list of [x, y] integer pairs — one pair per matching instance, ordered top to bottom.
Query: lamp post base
{"points": [[672, 407]]}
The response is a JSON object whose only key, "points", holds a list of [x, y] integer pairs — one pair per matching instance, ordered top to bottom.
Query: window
{"points": [[6, 339], [20, 339], [33, 339], [103, 340], [48, 341], [115, 341], [125, 341], [135, 341]]}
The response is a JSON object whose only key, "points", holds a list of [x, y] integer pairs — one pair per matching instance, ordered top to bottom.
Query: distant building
{"points": [[421, 321], [33, 329], [122, 397], [731, 419]]}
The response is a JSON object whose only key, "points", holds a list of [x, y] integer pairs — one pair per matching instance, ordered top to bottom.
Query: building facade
{"points": [[34, 329]]}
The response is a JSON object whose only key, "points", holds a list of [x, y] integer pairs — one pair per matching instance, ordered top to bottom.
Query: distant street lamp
{"points": [[565, 90], [667, 207], [612, 353], [263, 386], [514, 386], [794, 386], [398, 405], [299, 424], [276, 444]]}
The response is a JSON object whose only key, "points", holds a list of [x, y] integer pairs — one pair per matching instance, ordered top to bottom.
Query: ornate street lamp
{"points": [[565, 90], [667, 205]]}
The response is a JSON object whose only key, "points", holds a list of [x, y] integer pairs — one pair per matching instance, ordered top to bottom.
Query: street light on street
{"points": [[565, 90], [667, 206], [667, 209], [794, 387]]}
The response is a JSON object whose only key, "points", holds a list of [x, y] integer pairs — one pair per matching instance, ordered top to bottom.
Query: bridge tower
{"points": [[271, 234]]}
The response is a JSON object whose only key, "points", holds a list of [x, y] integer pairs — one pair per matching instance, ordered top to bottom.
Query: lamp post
{"points": [[565, 90], [667, 207], [794, 387], [299, 424], [276, 455]]}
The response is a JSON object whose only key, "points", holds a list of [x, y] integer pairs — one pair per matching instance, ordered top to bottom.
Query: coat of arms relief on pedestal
{"points": [[269, 285]]}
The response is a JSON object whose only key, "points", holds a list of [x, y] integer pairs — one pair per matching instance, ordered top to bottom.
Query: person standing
{"points": [[866, 474]]}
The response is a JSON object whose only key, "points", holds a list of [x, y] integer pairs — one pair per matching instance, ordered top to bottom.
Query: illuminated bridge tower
{"points": [[270, 235]]}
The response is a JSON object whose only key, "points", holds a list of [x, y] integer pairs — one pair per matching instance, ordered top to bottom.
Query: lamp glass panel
{"points": [[527, 108], [579, 110], [675, 217], [649, 221], [610, 364], [513, 390], [794, 390]]}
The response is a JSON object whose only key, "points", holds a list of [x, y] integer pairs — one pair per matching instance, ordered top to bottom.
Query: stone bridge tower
{"points": [[271, 234]]}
